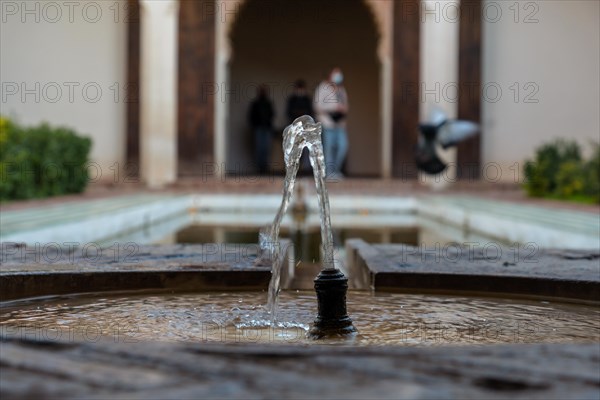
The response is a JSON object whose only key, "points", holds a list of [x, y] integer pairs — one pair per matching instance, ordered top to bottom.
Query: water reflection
{"points": [[306, 241], [381, 319]]}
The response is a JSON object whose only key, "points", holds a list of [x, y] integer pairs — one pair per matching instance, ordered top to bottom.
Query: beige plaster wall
{"points": [[555, 61], [66, 64]]}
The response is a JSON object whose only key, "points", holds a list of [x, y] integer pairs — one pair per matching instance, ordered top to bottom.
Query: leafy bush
{"points": [[41, 161], [559, 171], [569, 179]]}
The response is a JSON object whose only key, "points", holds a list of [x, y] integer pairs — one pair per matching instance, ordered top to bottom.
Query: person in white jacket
{"points": [[331, 108]]}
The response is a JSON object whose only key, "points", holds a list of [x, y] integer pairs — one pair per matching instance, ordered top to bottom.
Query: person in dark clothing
{"points": [[298, 104], [261, 120]]}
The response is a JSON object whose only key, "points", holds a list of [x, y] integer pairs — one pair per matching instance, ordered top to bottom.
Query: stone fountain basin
{"points": [[31, 367]]}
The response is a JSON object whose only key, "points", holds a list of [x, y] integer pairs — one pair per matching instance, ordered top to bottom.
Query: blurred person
{"points": [[299, 103], [331, 107], [260, 117]]}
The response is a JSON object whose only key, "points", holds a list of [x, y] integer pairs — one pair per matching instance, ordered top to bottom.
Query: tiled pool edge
{"points": [[105, 224], [544, 228], [547, 228]]}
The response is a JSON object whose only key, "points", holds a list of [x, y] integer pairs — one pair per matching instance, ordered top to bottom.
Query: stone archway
{"points": [[204, 27], [362, 48], [152, 123]]}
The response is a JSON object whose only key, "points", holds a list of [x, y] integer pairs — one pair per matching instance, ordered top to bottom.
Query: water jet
{"points": [[331, 284]]}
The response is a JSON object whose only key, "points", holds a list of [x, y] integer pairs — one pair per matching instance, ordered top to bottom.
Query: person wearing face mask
{"points": [[331, 107]]}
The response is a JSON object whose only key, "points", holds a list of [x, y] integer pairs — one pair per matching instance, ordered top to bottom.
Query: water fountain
{"points": [[331, 284], [106, 325]]}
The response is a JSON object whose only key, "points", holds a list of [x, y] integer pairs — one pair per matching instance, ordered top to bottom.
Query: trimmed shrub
{"points": [[41, 161], [559, 171], [570, 179]]}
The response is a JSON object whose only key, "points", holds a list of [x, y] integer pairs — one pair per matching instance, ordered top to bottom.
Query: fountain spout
{"points": [[331, 284], [332, 319]]}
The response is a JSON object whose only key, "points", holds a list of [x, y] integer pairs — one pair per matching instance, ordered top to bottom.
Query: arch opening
{"points": [[279, 41]]}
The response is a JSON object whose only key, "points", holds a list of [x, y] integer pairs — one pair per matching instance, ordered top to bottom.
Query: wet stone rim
{"points": [[155, 268], [565, 274]]}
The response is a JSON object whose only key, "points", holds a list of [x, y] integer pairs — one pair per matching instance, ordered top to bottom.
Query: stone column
{"points": [[383, 12], [222, 56], [439, 73], [469, 76], [158, 92], [405, 102]]}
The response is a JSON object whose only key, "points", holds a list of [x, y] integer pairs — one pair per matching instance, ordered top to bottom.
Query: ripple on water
{"points": [[381, 319]]}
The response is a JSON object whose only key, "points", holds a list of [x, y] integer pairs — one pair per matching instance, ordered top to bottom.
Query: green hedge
{"points": [[41, 161], [559, 171]]}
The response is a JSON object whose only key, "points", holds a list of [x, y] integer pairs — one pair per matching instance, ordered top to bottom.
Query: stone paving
{"points": [[34, 369]]}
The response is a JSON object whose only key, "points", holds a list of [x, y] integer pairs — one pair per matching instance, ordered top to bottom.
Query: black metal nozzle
{"points": [[332, 320]]}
